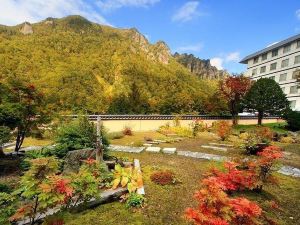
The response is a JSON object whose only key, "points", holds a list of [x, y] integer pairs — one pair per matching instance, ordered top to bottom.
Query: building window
{"points": [[298, 44], [286, 48], [275, 53], [264, 56], [297, 59], [255, 60], [284, 63], [273, 66], [263, 69], [254, 72], [295, 75], [272, 77], [283, 77], [283, 89], [293, 89], [293, 104]]}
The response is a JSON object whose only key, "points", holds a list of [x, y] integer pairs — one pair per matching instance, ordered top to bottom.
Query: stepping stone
{"points": [[160, 141], [153, 142], [147, 145], [222, 145], [119, 148], [214, 148], [153, 149], [169, 150], [200, 155], [289, 171]]}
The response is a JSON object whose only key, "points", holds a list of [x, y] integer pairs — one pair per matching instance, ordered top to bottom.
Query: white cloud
{"points": [[108, 5], [13, 12], [187, 12], [298, 14], [190, 48], [232, 57], [217, 62]]}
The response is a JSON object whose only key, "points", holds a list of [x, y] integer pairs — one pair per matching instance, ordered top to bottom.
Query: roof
{"points": [[279, 44]]}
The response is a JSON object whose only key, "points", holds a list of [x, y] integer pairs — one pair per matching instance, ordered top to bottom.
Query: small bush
{"points": [[293, 120], [223, 129], [127, 131], [264, 133], [115, 135], [244, 136], [148, 139], [287, 140], [163, 177], [5, 188], [135, 200]]}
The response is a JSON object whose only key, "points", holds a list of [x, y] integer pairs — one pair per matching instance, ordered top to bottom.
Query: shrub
{"points": [[293, 120], [198, 126], [223, 129], [127, 131], [264, 133], [77, 134], [115, 135], [244, 136], [148, 139], [288, 140], [163, 177], [5, 188], [135, 200], [7, 207], [215, 207]]}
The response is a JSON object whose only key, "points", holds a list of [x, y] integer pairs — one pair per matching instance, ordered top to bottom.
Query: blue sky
{"points": [[221, 30]]}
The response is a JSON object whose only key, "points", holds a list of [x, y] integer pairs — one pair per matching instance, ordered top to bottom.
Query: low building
{"points": [[279, 62]]}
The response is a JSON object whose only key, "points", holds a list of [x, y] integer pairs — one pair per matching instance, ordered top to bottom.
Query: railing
{"points": [[169, 117]]}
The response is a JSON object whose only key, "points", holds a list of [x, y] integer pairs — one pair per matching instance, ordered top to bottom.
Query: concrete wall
{"points": [[151, 125]]}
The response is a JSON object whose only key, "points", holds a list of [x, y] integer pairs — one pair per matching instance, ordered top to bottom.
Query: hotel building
{"points": [[279, 62]]}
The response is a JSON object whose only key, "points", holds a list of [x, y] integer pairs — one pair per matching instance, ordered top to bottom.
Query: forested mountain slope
{"points": [[80, 65]]}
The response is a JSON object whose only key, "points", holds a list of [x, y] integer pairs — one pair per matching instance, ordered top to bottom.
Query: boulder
{"points": [[73, 159]]}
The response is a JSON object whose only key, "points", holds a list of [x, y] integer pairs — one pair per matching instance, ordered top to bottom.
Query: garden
{"points": [[63, 183]]}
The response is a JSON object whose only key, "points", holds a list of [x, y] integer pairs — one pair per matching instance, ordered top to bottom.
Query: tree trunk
{"points": [[260, 117], [234, 119], [19, 140]]}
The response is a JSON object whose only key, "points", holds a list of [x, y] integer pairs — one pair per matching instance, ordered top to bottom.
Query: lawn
{"points": [[166, 204]]}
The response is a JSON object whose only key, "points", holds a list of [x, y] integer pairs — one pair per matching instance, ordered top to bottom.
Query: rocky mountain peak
{"points": [[162, 52], [200, 67]]}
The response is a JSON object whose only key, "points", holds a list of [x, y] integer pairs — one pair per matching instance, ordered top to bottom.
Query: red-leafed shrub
{"points": [[223, 129], [127, 131], [265, 133], [267, 159], [163, 177], [235, 179], [215, 207]]}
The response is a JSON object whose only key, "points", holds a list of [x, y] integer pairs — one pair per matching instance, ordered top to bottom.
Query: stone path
{"points": [[119, 148], [222, 149], [200, 155], [286, 170], [290, 171]]}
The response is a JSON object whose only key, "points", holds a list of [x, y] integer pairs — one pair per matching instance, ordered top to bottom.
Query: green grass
{"points": [[276, 127], [166, 204]]}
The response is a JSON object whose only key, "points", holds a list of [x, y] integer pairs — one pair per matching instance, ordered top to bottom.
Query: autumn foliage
{"points": [[223, 129], [163, 177], [215, 207]]}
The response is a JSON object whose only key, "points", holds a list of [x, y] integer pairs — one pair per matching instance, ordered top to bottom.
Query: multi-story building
{"points": [[279, 62]]}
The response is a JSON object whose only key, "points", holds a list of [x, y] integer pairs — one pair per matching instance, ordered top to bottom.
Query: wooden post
{"points": [[99, 147]]}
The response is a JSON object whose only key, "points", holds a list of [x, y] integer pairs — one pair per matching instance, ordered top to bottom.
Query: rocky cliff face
{"points": [[159, 51], [201, 68]]}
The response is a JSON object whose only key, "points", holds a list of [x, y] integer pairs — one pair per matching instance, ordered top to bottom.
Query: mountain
{"points": [[83, 66], [202, 68]]}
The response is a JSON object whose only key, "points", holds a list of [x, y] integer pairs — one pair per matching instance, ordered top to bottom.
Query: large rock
{"points": [[26, 28], [73, 159]]}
